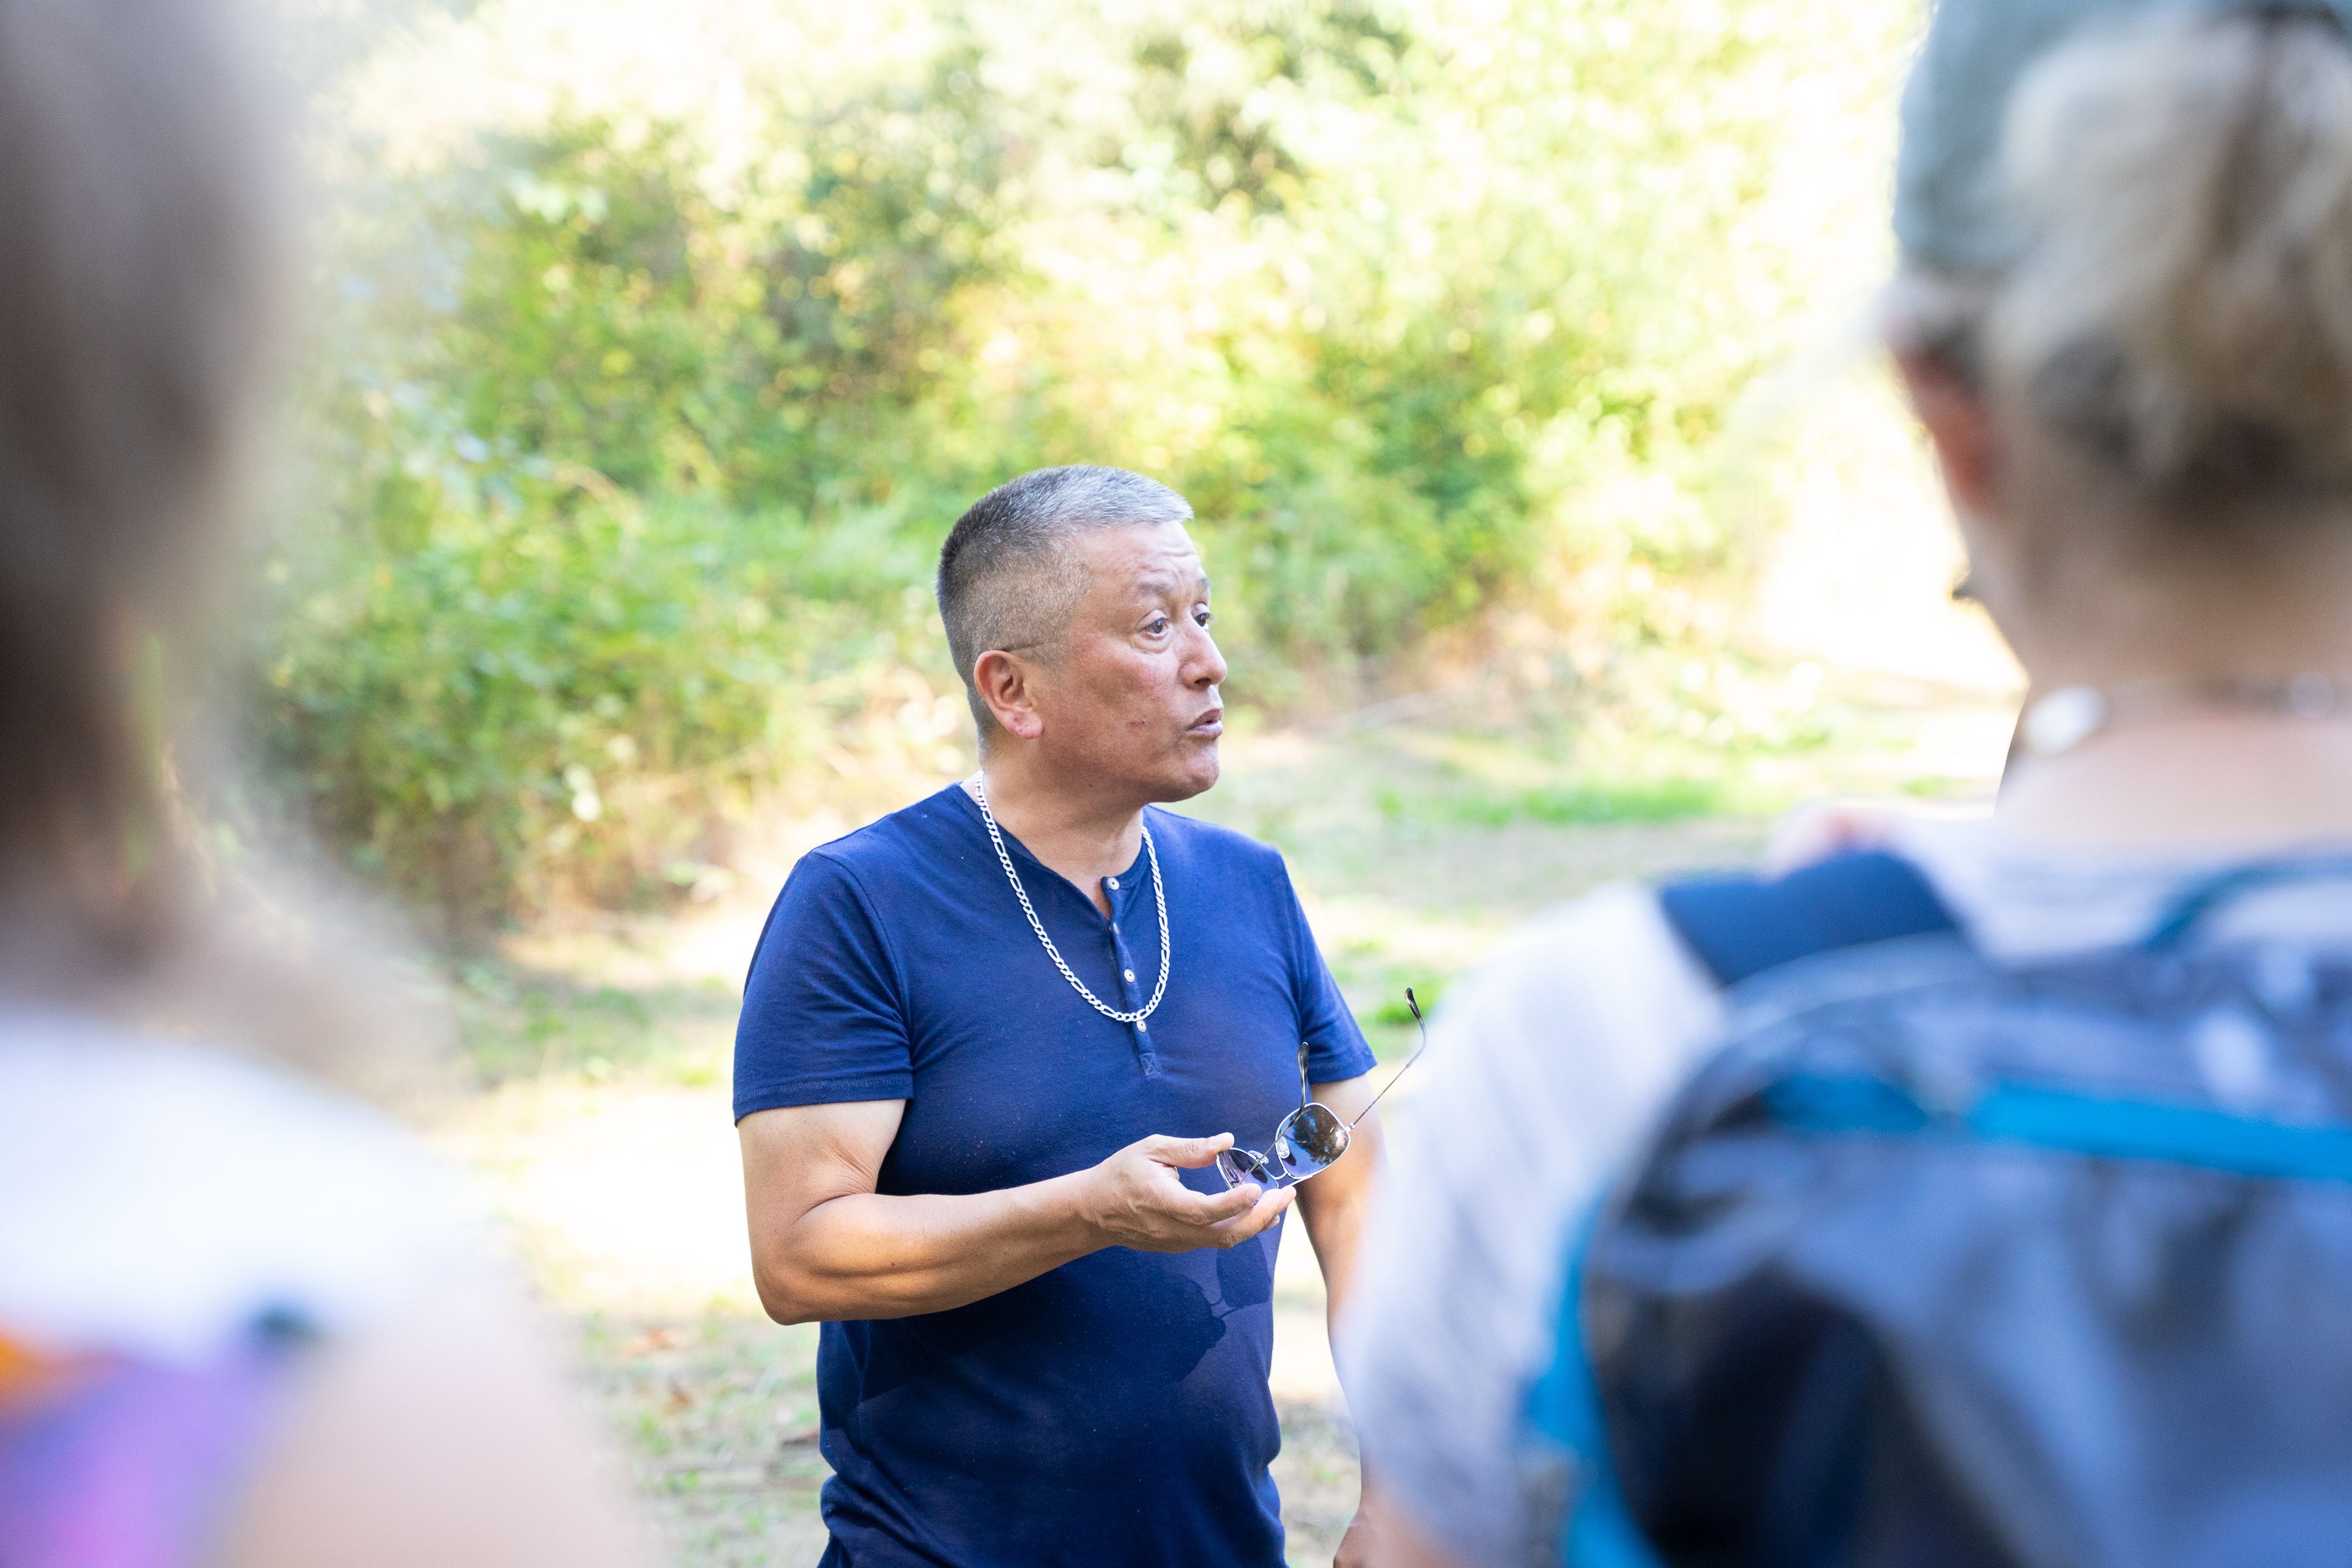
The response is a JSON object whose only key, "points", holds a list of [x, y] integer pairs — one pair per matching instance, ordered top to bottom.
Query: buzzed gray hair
{"points": [[1006, 579]]}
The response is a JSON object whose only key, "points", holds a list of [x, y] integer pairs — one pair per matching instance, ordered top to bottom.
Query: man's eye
{"points": [[1203, 616], [1156, 625]]}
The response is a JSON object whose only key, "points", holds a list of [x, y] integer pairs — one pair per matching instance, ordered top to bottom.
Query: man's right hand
{"points": [[1135, 1199], [825, 1244]]}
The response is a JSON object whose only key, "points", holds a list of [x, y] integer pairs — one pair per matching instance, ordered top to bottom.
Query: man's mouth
{"points": [[1209, 725]]}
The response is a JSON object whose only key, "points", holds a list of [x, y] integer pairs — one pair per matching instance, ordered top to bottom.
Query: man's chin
{"points": [[1195, 771]]}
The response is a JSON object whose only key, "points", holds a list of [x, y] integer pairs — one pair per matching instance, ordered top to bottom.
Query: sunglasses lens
{"points": [[1311, 1139], [1239, 1166]]}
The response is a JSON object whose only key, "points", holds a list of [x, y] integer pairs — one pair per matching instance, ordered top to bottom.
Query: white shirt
{"points": [[160, 1197]]}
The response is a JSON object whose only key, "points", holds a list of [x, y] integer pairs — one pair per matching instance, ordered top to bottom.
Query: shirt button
{"points": [[1112, 883], [1129, 973], [1141, 1027]]}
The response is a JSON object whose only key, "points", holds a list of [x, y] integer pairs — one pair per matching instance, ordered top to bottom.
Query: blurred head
{"points": [[135, 288], [2124, 316], [1078, 612]]}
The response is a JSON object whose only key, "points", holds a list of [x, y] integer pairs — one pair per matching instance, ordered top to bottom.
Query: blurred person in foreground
{"points": [[991, 1049], [2009, 1223], [239, 1324]]}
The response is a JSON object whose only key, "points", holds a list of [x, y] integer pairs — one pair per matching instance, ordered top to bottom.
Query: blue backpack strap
{"points": [[2189, 913], [1743, 925], [1564, 1411]]}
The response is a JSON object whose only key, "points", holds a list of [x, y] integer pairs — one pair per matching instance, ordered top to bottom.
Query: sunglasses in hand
{"points": [[1312, 1138]]}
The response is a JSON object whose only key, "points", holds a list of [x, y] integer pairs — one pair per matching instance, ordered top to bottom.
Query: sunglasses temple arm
{"points": [[1392, 1082], [1384, 1088]]}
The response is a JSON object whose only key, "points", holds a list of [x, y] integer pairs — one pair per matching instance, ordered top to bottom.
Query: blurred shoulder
{"points": [[1608, 961], [1566, 1041], [167, 1196]]}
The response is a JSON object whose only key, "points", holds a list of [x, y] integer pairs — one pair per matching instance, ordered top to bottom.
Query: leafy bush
{"points": [[659, 362], [576, 613], [567, 685]]}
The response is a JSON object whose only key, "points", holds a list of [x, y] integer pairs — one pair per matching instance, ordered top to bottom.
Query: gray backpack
{"points": [[1945, 1261]]}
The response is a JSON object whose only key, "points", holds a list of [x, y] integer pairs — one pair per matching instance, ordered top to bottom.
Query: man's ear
{"points": [[1960, 427], [1005, 684]]}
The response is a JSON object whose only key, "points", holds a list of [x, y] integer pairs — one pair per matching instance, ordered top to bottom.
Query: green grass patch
{"points": [[1585, 803], [517, 1024]]}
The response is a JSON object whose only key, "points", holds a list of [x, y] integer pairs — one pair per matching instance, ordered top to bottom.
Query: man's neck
{"points": [[1084, 836]]}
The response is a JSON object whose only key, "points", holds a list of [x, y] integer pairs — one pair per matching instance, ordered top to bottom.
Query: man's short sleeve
{"points": [[823, 1019], [1336, 1050]]}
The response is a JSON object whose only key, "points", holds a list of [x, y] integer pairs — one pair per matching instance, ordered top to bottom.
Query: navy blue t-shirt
{"points": [[1113, 1412]]}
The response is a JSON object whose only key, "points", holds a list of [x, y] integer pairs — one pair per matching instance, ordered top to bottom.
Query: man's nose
{"points": [[1207, 666]]}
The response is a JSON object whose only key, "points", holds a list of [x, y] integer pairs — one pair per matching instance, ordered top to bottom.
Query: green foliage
{"points": [[643, 409], [574, 615], [539, 668]]}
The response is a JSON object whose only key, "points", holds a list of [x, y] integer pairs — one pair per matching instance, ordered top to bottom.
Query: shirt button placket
{"points": [[1131, 998]]}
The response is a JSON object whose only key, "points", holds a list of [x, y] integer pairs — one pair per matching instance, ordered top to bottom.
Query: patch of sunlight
{"points": [[1862, 575], [624, 1199]]}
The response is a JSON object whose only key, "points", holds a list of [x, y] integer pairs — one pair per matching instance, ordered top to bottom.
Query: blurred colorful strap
{"points": [[18, 1366], [127, 1464]]}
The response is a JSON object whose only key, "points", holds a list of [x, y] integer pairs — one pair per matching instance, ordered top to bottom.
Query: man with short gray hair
{"points": [[991, 1049]]}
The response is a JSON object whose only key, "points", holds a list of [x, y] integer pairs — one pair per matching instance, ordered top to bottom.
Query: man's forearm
{"points": [[825, 1244], [865, 1255]]}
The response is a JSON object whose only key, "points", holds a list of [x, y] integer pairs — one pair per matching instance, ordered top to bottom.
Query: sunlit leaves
{"points": [[670, 335]]}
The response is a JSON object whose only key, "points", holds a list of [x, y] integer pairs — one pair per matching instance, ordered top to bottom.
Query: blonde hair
{"points": [[143, 257], [139, 267], [2181, 308]]}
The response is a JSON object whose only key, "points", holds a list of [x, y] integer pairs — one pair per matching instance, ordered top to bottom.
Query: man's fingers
{"points": [[1188, 1153], [1204, 1209], [1265, 1211], [1261, 1213]]}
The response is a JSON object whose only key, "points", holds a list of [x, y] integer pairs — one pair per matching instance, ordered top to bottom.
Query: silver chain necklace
{"points": [[1159, 896]]}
